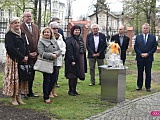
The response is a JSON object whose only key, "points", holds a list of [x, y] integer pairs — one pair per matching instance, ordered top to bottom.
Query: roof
{"points": [[111, 14], [81, 23]]}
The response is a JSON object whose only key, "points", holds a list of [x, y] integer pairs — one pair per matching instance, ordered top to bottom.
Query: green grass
{"points": [[88, 103]]}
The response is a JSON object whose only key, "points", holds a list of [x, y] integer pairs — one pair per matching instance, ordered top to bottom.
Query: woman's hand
{"points": [[54, 56]]}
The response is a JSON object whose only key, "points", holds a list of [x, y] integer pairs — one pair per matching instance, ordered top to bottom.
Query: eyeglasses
{"points": [[28, 16], [54, 28]]}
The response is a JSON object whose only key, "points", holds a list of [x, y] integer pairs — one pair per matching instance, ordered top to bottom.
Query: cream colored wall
{"points": [[102, 19]]}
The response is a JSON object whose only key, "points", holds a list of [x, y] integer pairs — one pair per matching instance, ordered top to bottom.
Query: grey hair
{"points": [[54, 24], [145, 24], [94, 25]]}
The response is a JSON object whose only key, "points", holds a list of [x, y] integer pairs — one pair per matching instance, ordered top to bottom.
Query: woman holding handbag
{"points": [[48, 49], [17, 53]]}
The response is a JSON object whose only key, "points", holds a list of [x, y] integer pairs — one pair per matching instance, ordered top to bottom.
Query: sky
{"points": [[80, 7]]}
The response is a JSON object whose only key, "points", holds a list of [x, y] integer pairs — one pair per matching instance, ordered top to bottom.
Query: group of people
{"points": [[24, 43]]}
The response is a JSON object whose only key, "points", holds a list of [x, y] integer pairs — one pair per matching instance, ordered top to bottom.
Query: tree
{"points": [[99, 5], [19, 6], [142, 11]]}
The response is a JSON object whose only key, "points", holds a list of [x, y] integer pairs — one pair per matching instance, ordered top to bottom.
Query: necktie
{"points": [[30, 28], [145, 36], [121, 40]]}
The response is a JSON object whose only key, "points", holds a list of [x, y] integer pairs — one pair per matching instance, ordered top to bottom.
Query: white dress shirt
{"points": [[96, 42]]}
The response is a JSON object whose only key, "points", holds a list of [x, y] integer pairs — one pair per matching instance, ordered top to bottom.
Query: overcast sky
{"points": [[80, 7]]}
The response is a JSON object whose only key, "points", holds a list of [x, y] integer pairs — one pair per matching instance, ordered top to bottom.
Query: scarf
{"points": [[18, 32], [80, 43]]}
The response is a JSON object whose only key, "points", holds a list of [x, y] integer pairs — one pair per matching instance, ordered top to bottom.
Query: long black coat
{"points": [[72, 55]]}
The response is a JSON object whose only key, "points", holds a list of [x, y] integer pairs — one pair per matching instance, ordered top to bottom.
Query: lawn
{"points": [[88, 103]]}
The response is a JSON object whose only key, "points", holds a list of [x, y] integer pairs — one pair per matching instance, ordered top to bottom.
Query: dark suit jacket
{"points": [[124, 46], [91, 47], [150, 47]]}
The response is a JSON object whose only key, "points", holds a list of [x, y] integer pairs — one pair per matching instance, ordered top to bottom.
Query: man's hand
{"points": [[33, 54], [95, 55], [144, 55], [25, 59], [73, 63]]}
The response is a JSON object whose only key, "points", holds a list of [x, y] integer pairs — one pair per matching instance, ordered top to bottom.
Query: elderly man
{"points": [[32, 32], [96, 46]]}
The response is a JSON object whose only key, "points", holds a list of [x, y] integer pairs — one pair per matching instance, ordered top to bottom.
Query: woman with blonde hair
{"points": [[48, 49], [16, 53]]}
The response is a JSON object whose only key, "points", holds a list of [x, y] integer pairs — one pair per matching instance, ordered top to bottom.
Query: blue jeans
{"points": [[48, 82]]}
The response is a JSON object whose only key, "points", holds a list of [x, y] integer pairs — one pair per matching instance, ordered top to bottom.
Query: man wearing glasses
{"points": [[32, 32]]}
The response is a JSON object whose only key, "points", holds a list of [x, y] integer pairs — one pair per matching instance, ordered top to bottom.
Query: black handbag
{"points": [[25, 72]]}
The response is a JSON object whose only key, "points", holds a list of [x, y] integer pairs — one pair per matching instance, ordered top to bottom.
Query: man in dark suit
{"points": [[32, 32], [123, 42], [96, 46], [145, 46]]}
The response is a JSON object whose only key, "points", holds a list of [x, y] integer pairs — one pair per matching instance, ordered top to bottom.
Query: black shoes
{"points": [[138, 89], [148, 90], [71, 93], [76, 93], [32, 95]]}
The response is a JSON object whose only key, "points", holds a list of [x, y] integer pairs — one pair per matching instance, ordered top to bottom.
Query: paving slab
{"points": [[138, 109]]}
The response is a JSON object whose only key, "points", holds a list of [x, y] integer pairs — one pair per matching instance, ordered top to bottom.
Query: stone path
{"points": [[138, 109]]}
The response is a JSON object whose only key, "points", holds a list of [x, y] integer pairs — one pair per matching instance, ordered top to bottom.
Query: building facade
{"points": [[107, 22]]}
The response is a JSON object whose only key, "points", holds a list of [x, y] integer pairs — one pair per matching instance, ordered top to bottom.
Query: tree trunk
{"points": [[45, 10], [35, 11], [39, 15]]}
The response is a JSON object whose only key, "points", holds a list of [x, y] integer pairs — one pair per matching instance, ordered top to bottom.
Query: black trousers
{"points": [[147, 66], [48, 82], [30, 83], [72, 85]]}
